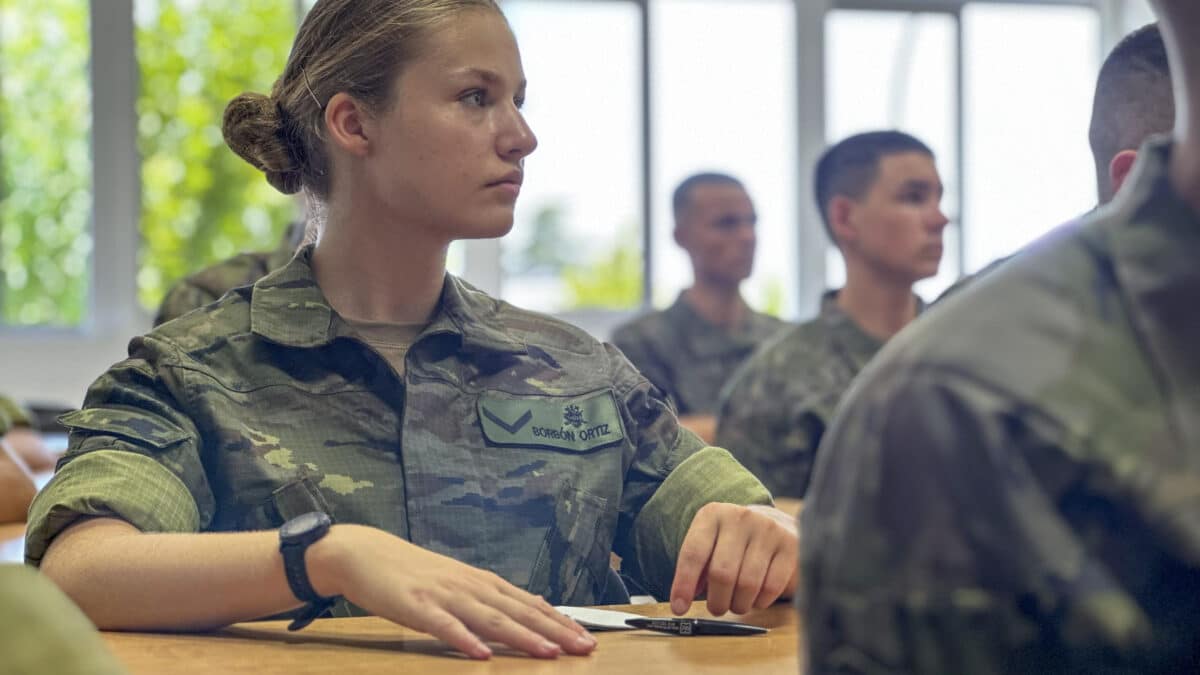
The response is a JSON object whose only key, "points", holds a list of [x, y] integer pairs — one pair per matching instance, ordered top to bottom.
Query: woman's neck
{"points": [[372, 269]]}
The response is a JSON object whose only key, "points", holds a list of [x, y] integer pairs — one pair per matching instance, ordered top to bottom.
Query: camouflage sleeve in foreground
{"points": [[132, 455], [671, 476], [921, 496], [41, 631]]}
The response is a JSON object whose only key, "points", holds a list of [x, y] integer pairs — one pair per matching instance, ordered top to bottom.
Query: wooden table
{"points": [[372, 645]]}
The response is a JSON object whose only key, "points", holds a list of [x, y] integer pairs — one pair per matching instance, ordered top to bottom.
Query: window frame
{"points": [[57, 363]]}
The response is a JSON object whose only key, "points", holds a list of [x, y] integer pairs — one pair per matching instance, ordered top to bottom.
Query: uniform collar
{"points": [[1154, 240], [288, 307], [707, 339], [858, 344]]}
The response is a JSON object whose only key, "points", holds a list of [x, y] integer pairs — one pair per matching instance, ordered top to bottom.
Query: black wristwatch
{"points": [[295, 537]]}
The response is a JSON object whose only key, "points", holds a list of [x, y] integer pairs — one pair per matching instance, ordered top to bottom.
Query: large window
{"points": [[896, 70], [723, 80], [1025, 111], [45, 163], [1028, 165], [200, 202], [577, 239]]}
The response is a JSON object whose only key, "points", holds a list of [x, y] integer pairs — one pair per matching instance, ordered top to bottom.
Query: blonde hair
{"points": [[353, 46]]}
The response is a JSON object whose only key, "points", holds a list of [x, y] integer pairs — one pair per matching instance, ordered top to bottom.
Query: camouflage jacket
{"points": [[210, 283], [687, 357], [775, 408], [513, 442], [1013, 485], [42, 631]]}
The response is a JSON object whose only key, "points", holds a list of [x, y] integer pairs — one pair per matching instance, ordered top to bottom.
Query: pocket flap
{"points": [[131, 425]]}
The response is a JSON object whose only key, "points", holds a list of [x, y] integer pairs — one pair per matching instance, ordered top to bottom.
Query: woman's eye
{"points": [[476, 98], [519, 102]]}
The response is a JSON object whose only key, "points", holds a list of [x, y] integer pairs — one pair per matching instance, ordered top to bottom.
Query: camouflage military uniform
{"points": [[210, 283], [687, 357], [776, 407], [513, 442], [1014, 484], [42, 632]]}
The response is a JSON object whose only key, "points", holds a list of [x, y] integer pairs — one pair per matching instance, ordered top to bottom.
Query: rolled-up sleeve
{"points": [[133, 454], [672, 475]]}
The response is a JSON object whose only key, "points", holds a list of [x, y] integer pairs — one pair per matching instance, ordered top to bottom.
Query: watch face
{"points": [[301, 525]]}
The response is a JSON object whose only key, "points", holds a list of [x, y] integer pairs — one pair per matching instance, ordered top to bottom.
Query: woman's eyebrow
{"points": [[488, 76]]}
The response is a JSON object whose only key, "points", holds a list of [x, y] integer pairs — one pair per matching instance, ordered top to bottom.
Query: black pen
{"points": [[693, 627]]}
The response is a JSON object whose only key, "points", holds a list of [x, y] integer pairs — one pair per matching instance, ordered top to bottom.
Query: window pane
{"points": [[1135, 14], [895, 70], [724, 83], [45, 159], [1029, 167], [200, 202], [577, 241]]}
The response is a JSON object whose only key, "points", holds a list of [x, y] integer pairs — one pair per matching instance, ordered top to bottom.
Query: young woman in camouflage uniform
{"points": [[478, 460]]}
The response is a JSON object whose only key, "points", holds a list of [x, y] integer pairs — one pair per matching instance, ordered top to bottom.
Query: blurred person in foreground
{"points": [[1013, 485]]}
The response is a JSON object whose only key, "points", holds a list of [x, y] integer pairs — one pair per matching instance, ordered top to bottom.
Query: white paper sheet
{"points": [[598, 619]]}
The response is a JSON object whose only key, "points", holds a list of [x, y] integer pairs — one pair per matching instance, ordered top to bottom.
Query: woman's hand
{"points": [[745, 556], [452, 601]]}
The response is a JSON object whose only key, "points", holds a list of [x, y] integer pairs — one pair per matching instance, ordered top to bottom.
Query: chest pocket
{"points": [[554, 456]]}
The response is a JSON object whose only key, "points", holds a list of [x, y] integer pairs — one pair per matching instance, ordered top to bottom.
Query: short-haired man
{"points": [[1133, 102], [879, 196], [690, 349], [1014, 486]]}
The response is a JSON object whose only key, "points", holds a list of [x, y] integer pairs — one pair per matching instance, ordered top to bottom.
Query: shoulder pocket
{"points": [[575, 424], [129, 425]]}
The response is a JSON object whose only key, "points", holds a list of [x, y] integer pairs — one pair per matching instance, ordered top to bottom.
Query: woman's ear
{"points": [[346, 119]]}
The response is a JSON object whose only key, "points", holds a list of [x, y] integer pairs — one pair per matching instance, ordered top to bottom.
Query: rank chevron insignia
{"points": [[510, 428]]}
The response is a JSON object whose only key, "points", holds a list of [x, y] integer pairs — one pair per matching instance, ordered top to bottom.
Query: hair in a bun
{"points": [[352, 46], [254, 128]]}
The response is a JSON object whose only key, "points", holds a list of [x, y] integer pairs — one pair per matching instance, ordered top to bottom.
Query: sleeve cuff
{"points": [[710, 475], [109, 483]]}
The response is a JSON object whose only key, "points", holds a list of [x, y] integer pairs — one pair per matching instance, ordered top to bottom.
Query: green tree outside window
{"points": [[45, 162], [200, 202]]}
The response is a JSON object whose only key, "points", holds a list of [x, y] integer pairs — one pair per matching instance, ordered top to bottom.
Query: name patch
{"points": [[577, 424]]}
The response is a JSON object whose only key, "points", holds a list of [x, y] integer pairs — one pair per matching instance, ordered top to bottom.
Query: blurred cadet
{"points": [[1133, 101], [878, 194], [209, 284], [690, 349], [359, 431], [1014, 485], [43, 633]]}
